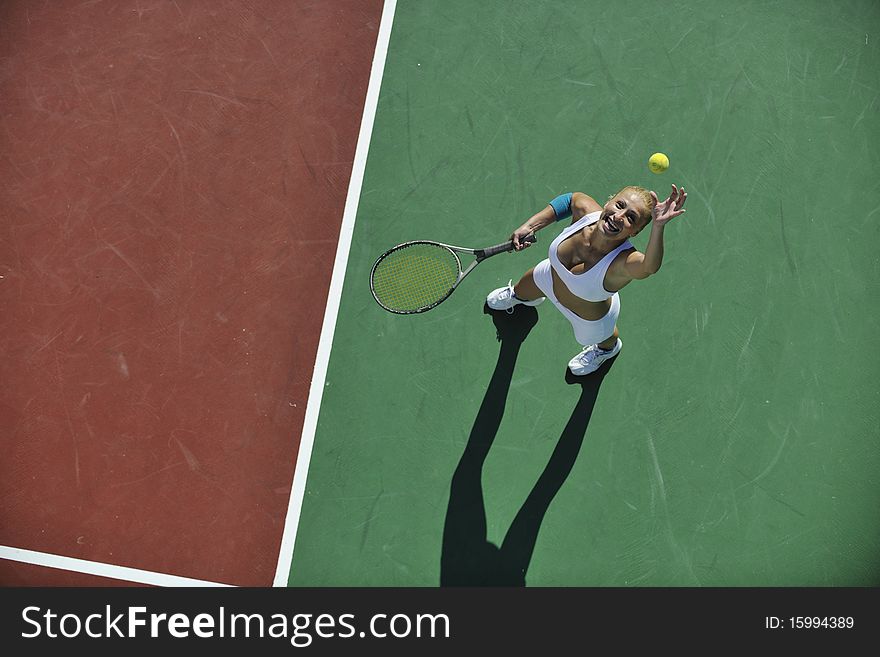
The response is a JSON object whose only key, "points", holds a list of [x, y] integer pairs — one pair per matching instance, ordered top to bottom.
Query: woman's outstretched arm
{"points": [[574, 205], [641, 265]]}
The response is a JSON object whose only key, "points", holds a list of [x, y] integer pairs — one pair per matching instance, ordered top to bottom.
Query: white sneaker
{"points": [[504, 299], [589, 360]]}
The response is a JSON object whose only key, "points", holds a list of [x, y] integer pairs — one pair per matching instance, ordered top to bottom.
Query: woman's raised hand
{"points": [[670, 208]]}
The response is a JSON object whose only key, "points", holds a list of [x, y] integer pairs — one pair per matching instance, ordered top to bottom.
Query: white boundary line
{"points": [[319, 375], [316, 391], [99, 569]]}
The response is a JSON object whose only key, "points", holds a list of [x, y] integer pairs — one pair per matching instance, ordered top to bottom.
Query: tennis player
{"points": [[589, 262]]}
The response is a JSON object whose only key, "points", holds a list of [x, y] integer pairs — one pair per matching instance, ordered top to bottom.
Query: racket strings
{"points": [[415, 277]]}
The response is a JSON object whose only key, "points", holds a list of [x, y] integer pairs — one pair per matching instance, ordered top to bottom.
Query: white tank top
{"points": [[590, 285]]}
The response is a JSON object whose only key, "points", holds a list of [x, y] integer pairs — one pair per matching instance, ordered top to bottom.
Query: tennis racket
{"points": [[416, 276]]}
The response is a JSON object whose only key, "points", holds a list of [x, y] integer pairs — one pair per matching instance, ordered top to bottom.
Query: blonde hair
{"points": [[643, 194]]}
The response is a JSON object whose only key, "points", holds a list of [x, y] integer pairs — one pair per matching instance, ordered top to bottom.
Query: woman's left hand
{"points": [[670, 208]]}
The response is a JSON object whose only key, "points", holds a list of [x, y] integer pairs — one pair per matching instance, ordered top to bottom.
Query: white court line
{"points": [[318, 377], [316, 391], [99, 569]]}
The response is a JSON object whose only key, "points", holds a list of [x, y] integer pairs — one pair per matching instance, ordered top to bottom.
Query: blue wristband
{"points": [[562, 206]]}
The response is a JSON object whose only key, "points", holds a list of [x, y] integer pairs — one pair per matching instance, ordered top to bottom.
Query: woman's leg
{"points": [[526, 290], [610, 342], [597, 349]]}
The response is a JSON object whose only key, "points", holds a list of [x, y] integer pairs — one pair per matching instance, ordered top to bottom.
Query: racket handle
{"points": [[501, 248]]}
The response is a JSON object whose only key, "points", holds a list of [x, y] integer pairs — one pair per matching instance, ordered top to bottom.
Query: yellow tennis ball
{"points": [[658, 163]]}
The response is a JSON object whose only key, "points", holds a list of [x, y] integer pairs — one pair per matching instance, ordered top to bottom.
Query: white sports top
{"points": [[590, 284]]}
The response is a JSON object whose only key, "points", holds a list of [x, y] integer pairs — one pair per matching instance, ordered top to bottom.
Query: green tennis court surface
{"points": [[735, 440]]}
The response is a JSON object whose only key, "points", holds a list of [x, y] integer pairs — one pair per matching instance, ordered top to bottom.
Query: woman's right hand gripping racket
{"points": [[417, 276]]}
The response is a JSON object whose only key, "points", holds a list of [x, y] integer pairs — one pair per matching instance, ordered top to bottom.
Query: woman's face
{"points": [[624, 215]]}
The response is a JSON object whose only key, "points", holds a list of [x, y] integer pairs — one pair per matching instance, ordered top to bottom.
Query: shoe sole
{"points": [[531, 304]]}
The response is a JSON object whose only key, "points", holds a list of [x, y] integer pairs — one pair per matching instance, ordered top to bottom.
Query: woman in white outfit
{"points": [[590, 261]]}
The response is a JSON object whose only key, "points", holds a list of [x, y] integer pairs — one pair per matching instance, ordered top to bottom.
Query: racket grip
{"points": [[506, 246]]}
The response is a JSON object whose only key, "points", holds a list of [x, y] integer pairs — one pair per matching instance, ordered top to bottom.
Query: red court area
{"points": [[174, 177]]}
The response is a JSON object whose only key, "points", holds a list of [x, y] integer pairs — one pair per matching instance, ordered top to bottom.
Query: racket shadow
{"points": [[467, 557]]}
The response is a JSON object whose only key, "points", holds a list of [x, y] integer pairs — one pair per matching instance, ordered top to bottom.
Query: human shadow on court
{"points": [[467, 557]]}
